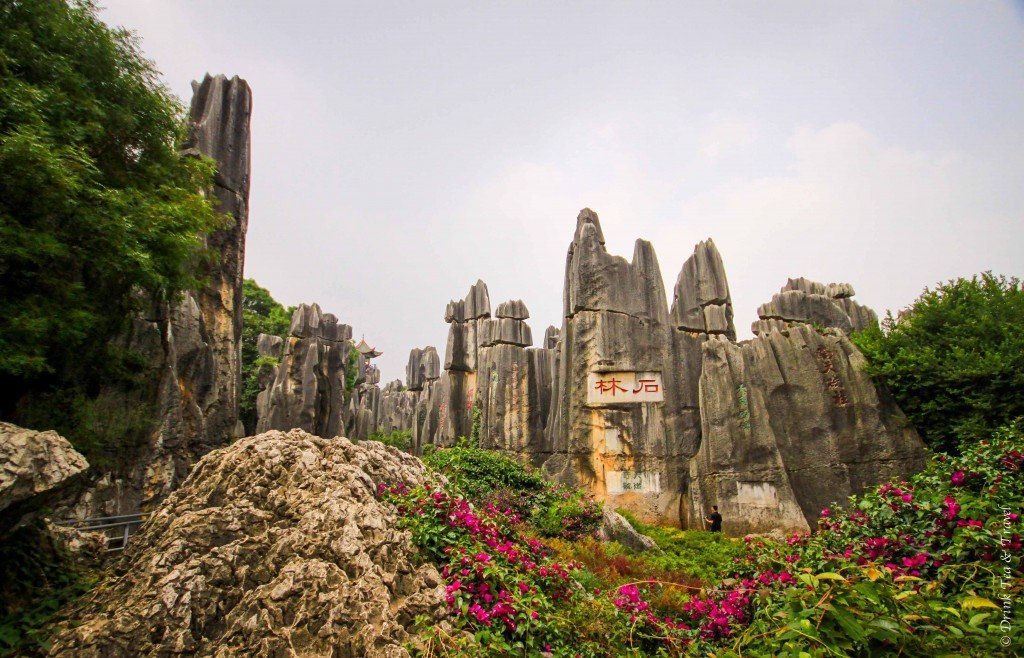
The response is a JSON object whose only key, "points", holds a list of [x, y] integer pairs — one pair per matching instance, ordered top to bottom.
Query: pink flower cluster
{"points": [[493, 575]]}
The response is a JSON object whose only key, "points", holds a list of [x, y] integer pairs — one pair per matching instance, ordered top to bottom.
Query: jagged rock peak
{"points": [[219, 128], [588, 216], [831, 290], [701, 300], [478, 301], [804, 301], [514, 308], [308, 321], [505, 330], [551, 336], [267, 345], [424, 365]]}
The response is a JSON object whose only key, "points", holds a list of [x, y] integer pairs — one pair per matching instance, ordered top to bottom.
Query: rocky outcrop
{"points": [[701, 301], [802, 301], [615, 339], [424, 366], [309, 389], [188, 402], [790, 425], [37, 470], [615, 527], [274, 546]]}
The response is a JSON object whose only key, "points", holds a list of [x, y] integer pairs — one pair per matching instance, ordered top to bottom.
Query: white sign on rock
{"points": [[624, 387], [632, 481]]}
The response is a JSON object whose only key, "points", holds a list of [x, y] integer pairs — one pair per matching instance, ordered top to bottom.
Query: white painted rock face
{"points": [[273, 546]]}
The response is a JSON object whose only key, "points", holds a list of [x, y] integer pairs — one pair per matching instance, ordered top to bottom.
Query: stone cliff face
{"points": [[192, 347], [791, 424], [608, 432], [274, 546]]}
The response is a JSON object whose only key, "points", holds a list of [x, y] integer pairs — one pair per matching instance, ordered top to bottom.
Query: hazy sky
{"points": [[403, 150]]}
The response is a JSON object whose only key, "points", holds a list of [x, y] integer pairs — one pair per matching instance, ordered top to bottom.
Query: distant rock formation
{"points": [[808, 302], [192, 347], [308, 390], [791, 424], [272, 529]]}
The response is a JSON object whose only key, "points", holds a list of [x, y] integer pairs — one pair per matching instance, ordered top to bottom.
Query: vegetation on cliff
{"points": [[100, 217], [261, 314], [954, 360]]}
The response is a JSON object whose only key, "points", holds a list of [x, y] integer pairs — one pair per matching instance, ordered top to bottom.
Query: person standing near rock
{"points": [[714, 520]]}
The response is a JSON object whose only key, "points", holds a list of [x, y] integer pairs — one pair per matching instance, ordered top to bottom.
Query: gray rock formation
{"points": [[701, 301], [802, 301], [514, 309], [616, 329], [424, 366], [309, 389], [790, 425], [37, 470], [615, 527], [274, 546]]}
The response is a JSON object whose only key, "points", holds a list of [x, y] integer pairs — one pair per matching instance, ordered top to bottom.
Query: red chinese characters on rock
{"points": [[613, 385]]}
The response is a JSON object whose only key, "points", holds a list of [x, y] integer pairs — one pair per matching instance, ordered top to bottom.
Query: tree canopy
{"points": [[99, 214], [954, 360]]}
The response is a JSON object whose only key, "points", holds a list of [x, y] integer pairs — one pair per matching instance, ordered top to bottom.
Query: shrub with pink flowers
{"points": [[926, 566]]}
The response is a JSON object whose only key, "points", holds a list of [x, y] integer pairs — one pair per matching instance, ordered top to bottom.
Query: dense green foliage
{"points": [[99, 216], [100, 220], [261, 314], [954, 360], [401, 439], [486, 477], [37, 579]]}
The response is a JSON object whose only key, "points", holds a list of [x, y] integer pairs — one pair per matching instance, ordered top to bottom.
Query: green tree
{"points": [[99, 215], [261, 314], [954, 360]]}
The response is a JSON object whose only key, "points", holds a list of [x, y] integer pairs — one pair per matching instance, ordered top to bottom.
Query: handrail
{"points": [[106, 523]]}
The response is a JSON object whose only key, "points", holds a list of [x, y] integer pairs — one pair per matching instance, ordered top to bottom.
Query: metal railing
{"points": [[116, 528]]}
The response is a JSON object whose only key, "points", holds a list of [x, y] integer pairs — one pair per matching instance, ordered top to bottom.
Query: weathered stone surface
{"points": [[701, 285], [804, 301], [478, 302], [798, 306], [514, 308], [466, 318], [616, 320], [505, 330], [551, 335], [267, 345], [424, 365], [307, 390], [397, 408], [790, 425], [37, 470], [615, 527], [274, 546]]}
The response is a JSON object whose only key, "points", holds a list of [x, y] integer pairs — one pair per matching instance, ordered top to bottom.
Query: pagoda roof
{"points": [[367, 351]]}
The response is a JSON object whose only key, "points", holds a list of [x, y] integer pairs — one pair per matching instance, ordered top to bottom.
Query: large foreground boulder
{"points": [[37, 470], [273, 546]]}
